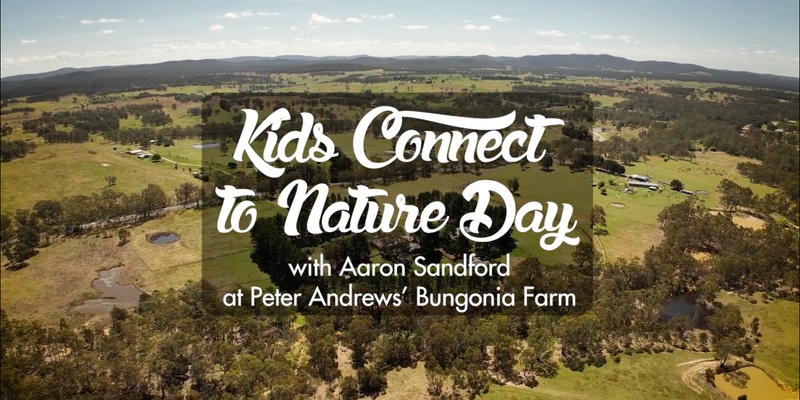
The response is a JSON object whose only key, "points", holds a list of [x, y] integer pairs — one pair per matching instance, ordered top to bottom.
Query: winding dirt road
{"points": [[697, 367]]}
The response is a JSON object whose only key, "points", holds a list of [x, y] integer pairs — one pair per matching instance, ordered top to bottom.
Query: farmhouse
{"points": [[647, 185]]}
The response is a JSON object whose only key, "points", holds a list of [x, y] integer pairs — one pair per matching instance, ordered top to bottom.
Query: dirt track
{"points": [[700, 365]]}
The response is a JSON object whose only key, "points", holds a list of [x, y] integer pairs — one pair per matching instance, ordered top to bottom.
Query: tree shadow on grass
{"points": [[16, 266]]}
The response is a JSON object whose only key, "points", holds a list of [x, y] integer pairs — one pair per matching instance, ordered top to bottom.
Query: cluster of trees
{"points": [[13, 110], [155, 118], [83, 122], [74, 136], [142, 136], [11, 149], [735, 197], [71, 214], [764, 259], [184, 341], [174, 346]]}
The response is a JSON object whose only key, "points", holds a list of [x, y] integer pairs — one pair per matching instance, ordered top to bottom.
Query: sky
{"points": [[757, 36]]}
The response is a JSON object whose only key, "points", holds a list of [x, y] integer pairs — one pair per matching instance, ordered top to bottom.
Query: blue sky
{"points": [[758, 36]]}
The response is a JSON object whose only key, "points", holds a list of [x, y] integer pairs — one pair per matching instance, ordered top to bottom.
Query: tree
{"points": [[223, 148], [156, 157], [546, 163], [111, 180], [513, 185], [676, 185], [186, 192], [734, 196], [153, 199], [48, 211], [598, 215], [5, 227], [124, 236], [273, 251], [18, 253], [727, 326], [754, 326], [359, 337], [727, 346], [322, 358], [371, 381], [348, 388]]}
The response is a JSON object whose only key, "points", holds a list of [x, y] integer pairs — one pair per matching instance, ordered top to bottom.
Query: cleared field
{"points": [[607, 101], [625, 132], [58, 170], [632, 224], [60, 276], [779, 347], [641, 376]]}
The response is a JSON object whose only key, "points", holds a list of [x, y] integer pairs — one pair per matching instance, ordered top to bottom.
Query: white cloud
{"points": [[238, 14], [269, 14], [62, 16], [378, 17], [499, 18], [317, 19], [140, 20], [353, 20], [101, 21], [466, 21], [414, 27], [471, 27], [213, 28], [265, 28], [293, 28], [484, 28], [105, 32], [551, 32], [584, 32], [601, 37], [624, 37], [27, 41], [742, 48], [759, 51], [773, 52]]}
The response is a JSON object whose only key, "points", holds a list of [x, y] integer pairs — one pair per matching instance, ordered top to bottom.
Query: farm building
{"points": [[137, 151], [605, 171], [640, 178], [641, 184], [689, 192]]}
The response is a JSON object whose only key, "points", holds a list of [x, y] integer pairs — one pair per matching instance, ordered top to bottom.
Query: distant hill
{"points": [[62, 71], [147, 76]]}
